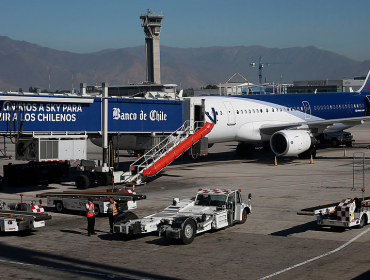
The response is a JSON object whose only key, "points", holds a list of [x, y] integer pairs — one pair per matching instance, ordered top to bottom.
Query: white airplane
{"points": [[290, 122]]}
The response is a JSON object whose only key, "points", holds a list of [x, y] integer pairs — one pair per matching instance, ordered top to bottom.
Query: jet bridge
{"points": [[46, 122], [54, 127]]}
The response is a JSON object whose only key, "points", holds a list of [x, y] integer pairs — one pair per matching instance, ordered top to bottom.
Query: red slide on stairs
{"points": [[178, 150]]}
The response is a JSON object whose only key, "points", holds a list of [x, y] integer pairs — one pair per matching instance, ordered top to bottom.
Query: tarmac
{"points": [[274, 243]]}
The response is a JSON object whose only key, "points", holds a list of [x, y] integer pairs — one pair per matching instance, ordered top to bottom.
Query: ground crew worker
{"points": [[112, 212], [90, 213]]}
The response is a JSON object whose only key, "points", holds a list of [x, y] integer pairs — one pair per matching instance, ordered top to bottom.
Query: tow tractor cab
{"points": [[210, 209]]}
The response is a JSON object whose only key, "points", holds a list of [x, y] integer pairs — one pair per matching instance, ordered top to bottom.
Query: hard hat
{"points": [[91, 199]]}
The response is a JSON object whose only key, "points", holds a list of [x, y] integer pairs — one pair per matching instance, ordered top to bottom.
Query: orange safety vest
{"points": [[114, 210], [90, 212]]}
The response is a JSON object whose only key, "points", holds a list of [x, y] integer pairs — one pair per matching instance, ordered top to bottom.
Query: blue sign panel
{"points": [[124, 115], [144, 115]]}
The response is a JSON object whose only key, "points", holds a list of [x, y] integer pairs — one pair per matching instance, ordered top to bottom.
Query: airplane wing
{"points": [[314, 126]]}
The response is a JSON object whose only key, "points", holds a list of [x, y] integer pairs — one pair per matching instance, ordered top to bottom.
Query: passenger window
{"points": [[272, 109], [261, 110], [267, 110], [237, 111], [245, 111], [249, 111], [253, 111], [220, 112], [216, 113]]}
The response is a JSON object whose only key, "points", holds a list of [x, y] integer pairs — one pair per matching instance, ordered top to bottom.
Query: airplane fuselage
{"points": [[240, 118]]}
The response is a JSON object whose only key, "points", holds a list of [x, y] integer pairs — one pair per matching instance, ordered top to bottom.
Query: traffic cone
{"points": [[345, 152], [275, 161], [311, 161]]}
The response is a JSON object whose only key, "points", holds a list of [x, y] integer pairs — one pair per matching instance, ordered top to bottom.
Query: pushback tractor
{"points": [[210, 209], [349, 212]]}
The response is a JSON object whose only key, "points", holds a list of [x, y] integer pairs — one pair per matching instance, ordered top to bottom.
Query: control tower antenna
{"points": [[152, 24]]}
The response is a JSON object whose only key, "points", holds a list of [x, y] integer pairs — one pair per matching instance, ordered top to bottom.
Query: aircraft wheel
{"points": [[188, 232]]}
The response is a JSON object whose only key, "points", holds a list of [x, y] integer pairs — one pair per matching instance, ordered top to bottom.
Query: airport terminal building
{"points": [[344, 85]]}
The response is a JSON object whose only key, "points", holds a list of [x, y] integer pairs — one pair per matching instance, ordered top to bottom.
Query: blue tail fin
{"points": [[365, 89]]}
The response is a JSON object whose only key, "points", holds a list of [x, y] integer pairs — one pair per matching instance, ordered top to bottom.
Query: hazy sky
{"points": [[84, 26]]}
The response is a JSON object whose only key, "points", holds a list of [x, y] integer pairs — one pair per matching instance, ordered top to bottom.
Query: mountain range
{"points": [[25, 65]]}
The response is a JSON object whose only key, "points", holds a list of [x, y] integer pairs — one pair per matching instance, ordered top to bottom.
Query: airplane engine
{"points": [[291, 142]]}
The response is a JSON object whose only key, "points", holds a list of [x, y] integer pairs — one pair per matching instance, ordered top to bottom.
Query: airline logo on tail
{"points": [[366, 87], [212, 119]]}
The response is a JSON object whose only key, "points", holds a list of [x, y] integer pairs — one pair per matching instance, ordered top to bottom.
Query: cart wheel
{"points": [[334, 143], [82, 182], [59, 206], [96, 210], [244, 216], [362, 222], [188, 232]]}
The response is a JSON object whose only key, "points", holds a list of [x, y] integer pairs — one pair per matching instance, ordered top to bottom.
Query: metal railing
{"points": [[160, 150]]}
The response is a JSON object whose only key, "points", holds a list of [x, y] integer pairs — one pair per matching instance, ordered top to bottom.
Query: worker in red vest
{"points": [[113, 212], [90, 217]]}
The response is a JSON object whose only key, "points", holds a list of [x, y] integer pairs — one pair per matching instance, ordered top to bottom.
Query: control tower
{"points": [[152, 24]]}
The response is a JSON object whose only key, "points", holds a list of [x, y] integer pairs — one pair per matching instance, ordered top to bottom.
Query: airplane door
{"points": [[307, 110], [230, 113]]}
